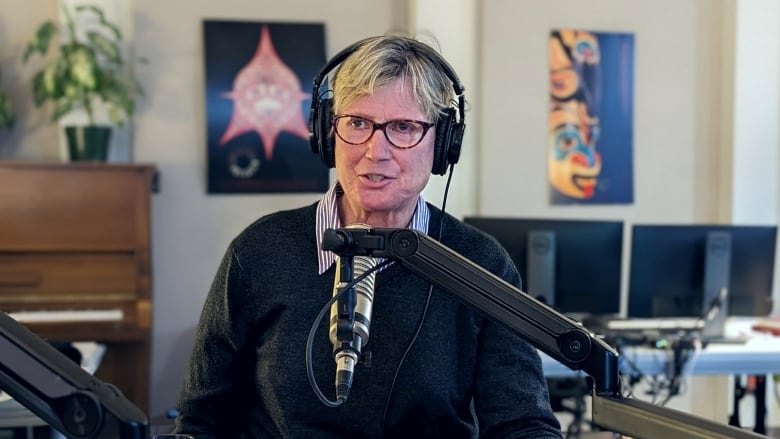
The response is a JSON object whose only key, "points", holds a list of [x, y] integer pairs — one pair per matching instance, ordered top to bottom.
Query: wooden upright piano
{"points": [[75, 260]]}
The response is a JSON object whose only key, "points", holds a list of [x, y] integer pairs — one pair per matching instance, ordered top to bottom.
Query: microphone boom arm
{"points": [[555, 334], [60, 392]]}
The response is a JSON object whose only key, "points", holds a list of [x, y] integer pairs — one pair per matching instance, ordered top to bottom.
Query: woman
{"points": [[437, 368]]}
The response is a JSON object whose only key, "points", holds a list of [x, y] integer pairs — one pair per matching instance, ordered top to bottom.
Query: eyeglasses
{"points": [[401, 133]]}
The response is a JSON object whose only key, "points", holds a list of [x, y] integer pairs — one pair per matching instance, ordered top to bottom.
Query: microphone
{"points": [[350, 316]]}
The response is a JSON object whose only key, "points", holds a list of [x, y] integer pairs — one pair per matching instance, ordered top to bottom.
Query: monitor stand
{"points": [[540, 265], [717, 269]]}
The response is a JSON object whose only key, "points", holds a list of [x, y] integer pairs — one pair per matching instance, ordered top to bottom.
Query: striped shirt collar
{"points": [[328, 218]]}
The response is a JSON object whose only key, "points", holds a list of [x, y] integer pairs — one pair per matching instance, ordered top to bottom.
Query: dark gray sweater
{"points": [[247, 375]]}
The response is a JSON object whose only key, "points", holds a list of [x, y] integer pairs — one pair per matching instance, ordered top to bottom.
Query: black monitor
{"points": [[573, 265], [680, 270], [60, 392]]}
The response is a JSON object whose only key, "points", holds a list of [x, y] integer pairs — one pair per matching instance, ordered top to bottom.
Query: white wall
{"points": [[458, 38], [675, 104], [755, 128], [32, 136]]}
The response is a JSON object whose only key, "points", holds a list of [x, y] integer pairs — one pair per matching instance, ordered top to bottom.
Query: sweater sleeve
{"points": [[213, 381], [511, 397]]}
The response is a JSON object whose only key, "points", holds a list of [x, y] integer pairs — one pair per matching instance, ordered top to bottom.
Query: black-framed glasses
{"points": [[401, 133]]}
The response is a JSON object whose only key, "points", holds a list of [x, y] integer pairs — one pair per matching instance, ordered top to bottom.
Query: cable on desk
{"points": [[682, 351]]}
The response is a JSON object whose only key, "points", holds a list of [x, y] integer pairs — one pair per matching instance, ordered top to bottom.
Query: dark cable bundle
{"points": [[680, 349]]}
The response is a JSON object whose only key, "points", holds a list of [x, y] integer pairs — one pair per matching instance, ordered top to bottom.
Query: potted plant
{"points": [[89, 73], [6, 109]]}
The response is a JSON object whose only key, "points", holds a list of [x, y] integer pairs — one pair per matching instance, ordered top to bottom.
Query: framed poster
{"points": [[258, 95], [590, 117]]}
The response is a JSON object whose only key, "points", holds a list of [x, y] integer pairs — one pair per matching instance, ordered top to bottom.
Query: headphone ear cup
{"points": [[324, 131], [314, 135], [456, 141], [441, 145]]}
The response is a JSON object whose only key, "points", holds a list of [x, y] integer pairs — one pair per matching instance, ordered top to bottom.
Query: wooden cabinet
{"points": [[75, 238]]}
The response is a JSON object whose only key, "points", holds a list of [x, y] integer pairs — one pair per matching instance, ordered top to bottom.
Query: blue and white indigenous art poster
{"points": [[590, 117]]}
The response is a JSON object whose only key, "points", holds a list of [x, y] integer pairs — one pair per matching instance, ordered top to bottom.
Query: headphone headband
{"points": [[449, 128]]}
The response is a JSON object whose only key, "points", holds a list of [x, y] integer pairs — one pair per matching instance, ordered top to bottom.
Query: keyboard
{"points": [[59, 316], [653, 324]]}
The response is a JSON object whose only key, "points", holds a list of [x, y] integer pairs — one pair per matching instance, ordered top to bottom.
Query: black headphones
{"points": [[449, 128]]}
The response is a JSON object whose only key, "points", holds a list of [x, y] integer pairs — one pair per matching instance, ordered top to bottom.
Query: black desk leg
{"points": [[739, 392], [760, 395]]}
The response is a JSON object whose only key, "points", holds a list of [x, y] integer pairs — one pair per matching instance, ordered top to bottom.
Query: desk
{"points": [[758, 356]]}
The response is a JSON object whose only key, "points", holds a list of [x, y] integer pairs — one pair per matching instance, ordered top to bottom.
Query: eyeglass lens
{"points": [[401, 133]]}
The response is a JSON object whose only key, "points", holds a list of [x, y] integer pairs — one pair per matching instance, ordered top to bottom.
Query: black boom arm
{"points": [[555, 334]]}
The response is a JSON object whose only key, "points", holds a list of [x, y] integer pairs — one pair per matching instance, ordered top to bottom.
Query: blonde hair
{"points": [[381, 60]]}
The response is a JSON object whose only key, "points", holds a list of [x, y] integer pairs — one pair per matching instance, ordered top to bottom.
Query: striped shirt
{"points": [[328, 218]]}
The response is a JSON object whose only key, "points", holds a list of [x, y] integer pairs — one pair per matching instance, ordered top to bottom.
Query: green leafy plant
{"points": [[88, 70], [6, 110]]}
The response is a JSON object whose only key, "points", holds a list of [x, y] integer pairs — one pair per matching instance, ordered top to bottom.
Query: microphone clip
{"points": [[353, 242]]}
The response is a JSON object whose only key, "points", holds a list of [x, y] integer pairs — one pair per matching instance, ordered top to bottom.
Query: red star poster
{"points": [[258, 95]]}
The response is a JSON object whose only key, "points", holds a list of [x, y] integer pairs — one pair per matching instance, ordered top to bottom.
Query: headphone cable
{"points": [[424, 312]]}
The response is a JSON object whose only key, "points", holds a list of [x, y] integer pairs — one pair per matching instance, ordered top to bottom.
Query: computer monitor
{"points": [[573, 265], [680, 270], [60, 392]]}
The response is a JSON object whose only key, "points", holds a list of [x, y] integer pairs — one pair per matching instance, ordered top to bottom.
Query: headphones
{"points": [[449, 127]]}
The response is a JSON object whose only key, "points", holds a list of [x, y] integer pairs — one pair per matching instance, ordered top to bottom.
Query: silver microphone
{"points": [[348, 347]]}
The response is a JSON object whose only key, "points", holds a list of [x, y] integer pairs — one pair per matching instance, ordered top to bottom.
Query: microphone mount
{"points": [[555, 334]]}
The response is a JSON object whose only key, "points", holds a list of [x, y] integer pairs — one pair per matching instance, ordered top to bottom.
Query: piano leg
{"points": [[132, 381]]}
